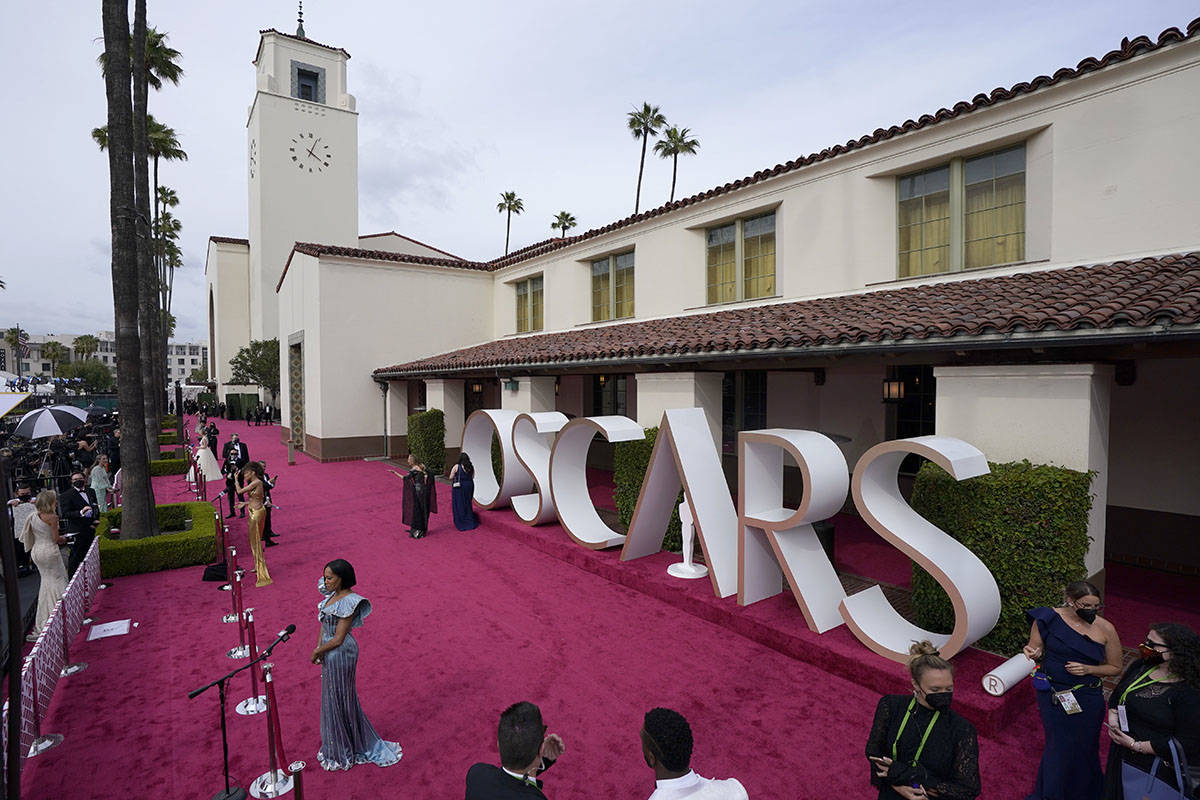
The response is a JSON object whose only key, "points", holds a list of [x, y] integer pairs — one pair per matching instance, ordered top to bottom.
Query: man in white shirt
{"points": [[667, 748]]}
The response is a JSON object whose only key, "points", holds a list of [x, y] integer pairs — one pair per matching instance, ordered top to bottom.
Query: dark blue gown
{"points": [[465, 518], [1070, 768]]}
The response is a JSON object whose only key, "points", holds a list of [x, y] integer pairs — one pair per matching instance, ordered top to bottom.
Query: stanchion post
{"points": [[241, 651], [255, 703], [297, 770], [276, 781]]}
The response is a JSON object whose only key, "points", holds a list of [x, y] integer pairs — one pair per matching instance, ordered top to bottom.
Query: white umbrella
{"points": [[75, 411], [43, 422]]}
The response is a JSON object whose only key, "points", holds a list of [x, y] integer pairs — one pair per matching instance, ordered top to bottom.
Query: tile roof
{"points": [[304, 39], [1130, 48], [409, 239], [229, 240], [314, 249], [1126, 297]]}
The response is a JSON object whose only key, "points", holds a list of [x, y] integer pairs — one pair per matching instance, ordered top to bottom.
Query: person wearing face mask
{"points": [[20, 508], [80, 510], [1076, 649], [1156, 700], [918, 746]]}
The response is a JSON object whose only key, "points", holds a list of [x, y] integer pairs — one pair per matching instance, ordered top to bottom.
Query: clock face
{"points": [[310, 153], [253, 157]]}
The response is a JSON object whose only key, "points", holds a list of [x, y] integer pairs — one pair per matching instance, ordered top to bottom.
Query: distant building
{"points": [[182, 357]]}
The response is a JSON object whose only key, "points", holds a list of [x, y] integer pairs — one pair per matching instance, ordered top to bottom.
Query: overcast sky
{"points": [[462, 100]]}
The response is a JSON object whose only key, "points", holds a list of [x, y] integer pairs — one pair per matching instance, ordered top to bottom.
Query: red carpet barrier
{"points": [[50, 654]]}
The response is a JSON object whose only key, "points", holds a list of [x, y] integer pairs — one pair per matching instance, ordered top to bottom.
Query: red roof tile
{"points": [[304, 39], [1122, 297]]}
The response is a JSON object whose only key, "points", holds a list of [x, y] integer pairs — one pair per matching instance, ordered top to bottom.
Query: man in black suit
{"points": [[234, 458], [79, 509], [525, 752]]}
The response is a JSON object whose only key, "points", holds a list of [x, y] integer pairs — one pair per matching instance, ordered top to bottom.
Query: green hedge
{"points": [[167, 438], [427, 439], [178, 452], [497, 458], [630, 461], [168, 466], [1027, 523], [165, 551]]}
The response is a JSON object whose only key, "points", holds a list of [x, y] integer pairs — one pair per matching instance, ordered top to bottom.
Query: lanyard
{"points": [[1138, 683], [920, 748]]}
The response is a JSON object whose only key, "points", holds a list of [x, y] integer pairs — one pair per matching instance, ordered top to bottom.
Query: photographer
{"points": [[234, 457], [80, 510]]}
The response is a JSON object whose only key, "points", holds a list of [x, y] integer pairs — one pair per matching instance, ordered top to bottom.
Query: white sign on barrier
{"points": [[749, 548]]}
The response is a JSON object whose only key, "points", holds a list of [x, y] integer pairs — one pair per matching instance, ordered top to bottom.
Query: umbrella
{"points": [[94, 410], [75, 411], [51, 421]]}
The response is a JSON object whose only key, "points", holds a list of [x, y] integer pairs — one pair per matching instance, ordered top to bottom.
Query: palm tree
{"points": [[161, 60], [643, 124], [675, 142], [509, 202], [563, 221], [86, 345], [56, 353], [137, 517]]}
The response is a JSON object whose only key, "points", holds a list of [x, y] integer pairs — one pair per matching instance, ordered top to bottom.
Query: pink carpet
{"points": [[464, 624]]}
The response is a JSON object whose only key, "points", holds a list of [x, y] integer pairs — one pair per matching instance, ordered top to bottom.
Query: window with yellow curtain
{"points": [[994, 208], [967, 213], [925, 222], [758, 254], [722, 264], [612, 287], [601, 290], [529, 304]]}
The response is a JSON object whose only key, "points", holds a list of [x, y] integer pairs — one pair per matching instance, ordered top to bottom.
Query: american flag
{"points": [[23, 342]]}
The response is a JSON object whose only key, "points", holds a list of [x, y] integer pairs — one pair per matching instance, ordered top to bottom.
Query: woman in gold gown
{"points": [[252, 489]]}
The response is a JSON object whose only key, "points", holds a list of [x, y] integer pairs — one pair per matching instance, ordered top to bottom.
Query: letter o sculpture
{"points": [[568, 477], [491, 492]]}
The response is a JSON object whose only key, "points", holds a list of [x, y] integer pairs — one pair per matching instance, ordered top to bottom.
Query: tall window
{"points": [[306, 84], [968, 213], [741, 260], [612, 287], [529, 304], [608, 395], [743, 405], [916, 411]]}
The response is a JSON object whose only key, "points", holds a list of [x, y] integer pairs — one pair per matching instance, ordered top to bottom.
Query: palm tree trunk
{"points": [[674, 172], [637, 200], [507, 230], [146, 290], [160, 335], [137, 512]]}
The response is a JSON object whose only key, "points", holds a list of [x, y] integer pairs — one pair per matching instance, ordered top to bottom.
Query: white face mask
{"points": [[321, 587]]}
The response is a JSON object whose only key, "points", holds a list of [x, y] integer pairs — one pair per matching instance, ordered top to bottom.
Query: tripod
{"points": [[236, 792]]}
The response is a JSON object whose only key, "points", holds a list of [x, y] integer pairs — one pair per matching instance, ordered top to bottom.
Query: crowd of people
{"points": [[259, 414]]}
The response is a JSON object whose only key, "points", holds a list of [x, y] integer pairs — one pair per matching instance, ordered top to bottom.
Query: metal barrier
{"points": [[49, 659]]}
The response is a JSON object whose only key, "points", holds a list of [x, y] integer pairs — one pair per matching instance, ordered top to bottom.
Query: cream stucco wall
{"points": [[1104, 180], [393, 242], [226, 278]]}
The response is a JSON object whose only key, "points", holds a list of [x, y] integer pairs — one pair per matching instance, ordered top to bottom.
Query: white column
{"points": [[657, 392], [447, 394], [533, 394], [397, 413], [1050, 414]]}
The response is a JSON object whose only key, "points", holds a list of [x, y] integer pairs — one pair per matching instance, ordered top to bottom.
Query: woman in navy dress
{"points": [[462, 482], [1076, 649], [347, 737]]}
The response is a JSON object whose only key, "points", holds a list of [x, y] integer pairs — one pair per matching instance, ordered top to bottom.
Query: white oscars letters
{"points": [[748, 548]]}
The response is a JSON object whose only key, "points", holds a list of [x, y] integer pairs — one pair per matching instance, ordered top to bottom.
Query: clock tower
{"points": [[302, 162]]}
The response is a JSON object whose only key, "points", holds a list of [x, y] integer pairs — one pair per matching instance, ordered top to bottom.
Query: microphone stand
{"points": [[236, 792]]}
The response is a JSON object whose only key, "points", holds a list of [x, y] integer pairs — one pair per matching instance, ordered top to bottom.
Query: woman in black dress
{"points": [[462, 483], [420, 498], [1157, 699], [918, 746]]}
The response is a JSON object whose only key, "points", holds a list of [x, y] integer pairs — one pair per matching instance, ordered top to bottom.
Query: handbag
{"points": [[1140, 785]]}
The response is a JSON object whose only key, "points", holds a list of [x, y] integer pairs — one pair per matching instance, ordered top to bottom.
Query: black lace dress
{"points": [[1157, 712], [949, 759]]}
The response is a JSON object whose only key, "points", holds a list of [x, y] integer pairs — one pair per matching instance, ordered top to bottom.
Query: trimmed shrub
{"points": [[206, 398], [169, 422], [167, 439], [427, 439], [178, 452], [497, 458], [630, 461], [168, 466], [1026, 522], [165, 551]]}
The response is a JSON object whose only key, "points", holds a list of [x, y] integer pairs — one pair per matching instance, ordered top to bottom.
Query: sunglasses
{"points": [[1155, 645]]}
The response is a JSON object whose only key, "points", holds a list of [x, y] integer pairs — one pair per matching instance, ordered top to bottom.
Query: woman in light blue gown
{"points": [[347, 737]]}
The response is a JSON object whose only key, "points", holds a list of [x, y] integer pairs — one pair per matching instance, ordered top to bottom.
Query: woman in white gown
{"points": [[209, 467], [41, 538]]}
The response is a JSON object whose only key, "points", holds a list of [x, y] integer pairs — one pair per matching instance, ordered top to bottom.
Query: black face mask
{"points": [[77, 484], [24, 498], [1088, 615], [939, 701]]}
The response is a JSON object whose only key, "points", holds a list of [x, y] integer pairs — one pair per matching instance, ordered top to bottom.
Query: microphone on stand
{"points": [[283, 636]]}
